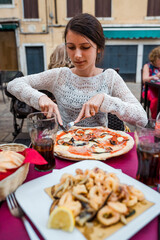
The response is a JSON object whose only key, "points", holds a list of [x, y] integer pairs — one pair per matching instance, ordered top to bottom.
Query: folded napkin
{"points": [[31, 156]]}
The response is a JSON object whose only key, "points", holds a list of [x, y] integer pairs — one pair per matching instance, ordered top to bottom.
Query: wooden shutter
{"points": [[74, 7], [30, 8], [103, 8], [153, 8], [8, 51]]}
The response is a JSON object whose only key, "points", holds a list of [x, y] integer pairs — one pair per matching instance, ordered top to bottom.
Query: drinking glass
{"points": [[42, 132], [148, 151]]}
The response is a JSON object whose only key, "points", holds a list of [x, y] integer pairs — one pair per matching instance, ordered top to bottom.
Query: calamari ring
{"points": [[111, 184], [136, 192], [96, 197], [132, 201], [118, 207], [108, 216]]}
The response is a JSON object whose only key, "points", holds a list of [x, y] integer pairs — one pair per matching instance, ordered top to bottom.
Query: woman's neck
{"points": [[87, 73]]}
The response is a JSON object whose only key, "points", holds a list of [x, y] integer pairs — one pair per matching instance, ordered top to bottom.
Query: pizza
{"points": [[97, 143]]}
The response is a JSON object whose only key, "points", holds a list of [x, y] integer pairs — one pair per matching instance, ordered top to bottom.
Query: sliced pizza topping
{"points": [[120, 139], [65, 141], [79, 143], [81, 150], [99, 150]]}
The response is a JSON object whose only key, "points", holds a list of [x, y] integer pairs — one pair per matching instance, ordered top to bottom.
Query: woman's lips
{"points": [[79, 62]]}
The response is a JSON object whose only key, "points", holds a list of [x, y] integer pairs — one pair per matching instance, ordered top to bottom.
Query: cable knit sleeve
{"points": [[26, 88], [121, 101]]}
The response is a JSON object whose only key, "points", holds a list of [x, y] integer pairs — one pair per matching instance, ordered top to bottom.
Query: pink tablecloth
{"points": [[12, 228]]}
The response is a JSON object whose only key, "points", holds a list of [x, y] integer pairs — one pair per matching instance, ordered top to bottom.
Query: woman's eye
{"points": [[82, 47], [71, 48], [85, 48]]}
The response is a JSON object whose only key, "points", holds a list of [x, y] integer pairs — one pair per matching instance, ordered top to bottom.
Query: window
{"points": [[5, 1], [73, 7], [30, 8], [103, 8], [153, 8], [123, 57], [35, 59]]}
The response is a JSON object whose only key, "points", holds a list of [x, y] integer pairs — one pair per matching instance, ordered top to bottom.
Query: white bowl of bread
{"points": [[11, 159]]}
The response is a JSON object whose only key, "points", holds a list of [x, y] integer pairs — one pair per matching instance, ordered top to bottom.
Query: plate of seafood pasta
{"points": [[100, 202]]}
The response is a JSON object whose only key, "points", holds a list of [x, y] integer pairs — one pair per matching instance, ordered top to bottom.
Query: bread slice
{"points": [[10, 160]]}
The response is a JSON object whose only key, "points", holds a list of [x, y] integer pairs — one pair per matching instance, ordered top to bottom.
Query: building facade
{"points": [[31, 29]]}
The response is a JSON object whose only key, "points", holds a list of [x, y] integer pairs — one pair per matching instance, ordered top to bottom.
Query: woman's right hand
{"points": [[47, 105]]}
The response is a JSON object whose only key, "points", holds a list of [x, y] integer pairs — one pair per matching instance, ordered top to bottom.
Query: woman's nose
{"points": [[78, 53]]}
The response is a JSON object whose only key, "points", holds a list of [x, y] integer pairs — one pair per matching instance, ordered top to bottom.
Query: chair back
{"points": [[117, 69], [141, 99], [115, 123]]}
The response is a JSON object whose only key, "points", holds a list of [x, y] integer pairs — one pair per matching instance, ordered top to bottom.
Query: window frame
{"points": [[10, 5], [150, 17], [68, 18], [103, 18], [30, 19], [23, 56]]}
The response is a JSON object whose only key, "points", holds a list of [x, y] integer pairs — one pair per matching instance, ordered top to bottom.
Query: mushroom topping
{"points": [[79, 132]]}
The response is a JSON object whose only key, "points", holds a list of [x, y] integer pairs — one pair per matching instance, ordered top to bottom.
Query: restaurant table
{"points": [[154, 84], [13, 228]]}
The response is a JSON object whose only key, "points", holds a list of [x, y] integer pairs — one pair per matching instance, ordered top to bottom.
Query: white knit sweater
{"points": [[72, 91]]}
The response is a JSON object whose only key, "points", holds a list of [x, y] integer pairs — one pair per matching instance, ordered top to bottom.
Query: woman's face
{"points": [[81, 50], [157, 62]]}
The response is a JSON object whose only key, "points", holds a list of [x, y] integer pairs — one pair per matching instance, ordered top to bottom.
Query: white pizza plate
{"points": [[36, 203]]}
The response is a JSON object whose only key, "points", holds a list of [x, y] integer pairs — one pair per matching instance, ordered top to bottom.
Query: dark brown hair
{"points": [[87, 25]]}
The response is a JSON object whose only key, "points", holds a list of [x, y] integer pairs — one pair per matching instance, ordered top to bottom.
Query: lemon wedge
{"points": [[61, 218]]}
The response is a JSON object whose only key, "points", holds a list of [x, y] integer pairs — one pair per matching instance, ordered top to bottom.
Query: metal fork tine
{"points": [[14, 201], [9, 202]]}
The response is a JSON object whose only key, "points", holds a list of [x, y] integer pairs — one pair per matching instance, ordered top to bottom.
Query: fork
{"points": [[71, 124], [16, 211]]}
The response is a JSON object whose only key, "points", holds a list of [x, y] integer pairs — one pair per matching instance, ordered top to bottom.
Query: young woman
{"points": [[151, 71], [84, 90]]}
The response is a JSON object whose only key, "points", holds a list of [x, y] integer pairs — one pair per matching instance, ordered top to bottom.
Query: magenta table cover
{"points": [[12, 228]]}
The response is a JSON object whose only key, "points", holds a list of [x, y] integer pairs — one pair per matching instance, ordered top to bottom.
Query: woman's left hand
{"points": [[91, 107]]}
